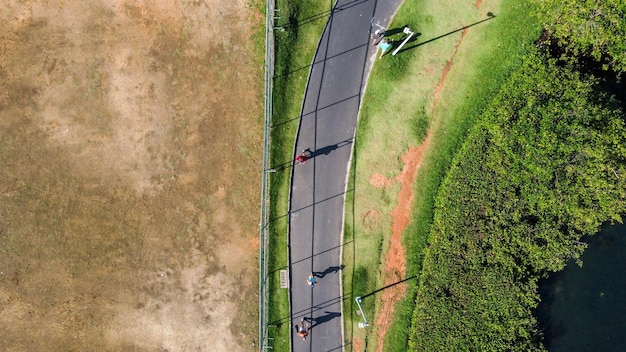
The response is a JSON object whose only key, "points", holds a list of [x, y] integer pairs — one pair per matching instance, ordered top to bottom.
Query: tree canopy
{"points": [[588, 28], [544, 166]]}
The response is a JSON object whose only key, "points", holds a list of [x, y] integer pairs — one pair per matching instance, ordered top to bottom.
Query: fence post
{"points": [[263, 231]]}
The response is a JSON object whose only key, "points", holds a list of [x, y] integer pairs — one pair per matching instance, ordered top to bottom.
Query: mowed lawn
{"points": [[433, 89]]}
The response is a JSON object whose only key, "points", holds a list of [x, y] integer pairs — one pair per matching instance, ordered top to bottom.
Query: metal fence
{"points": [[263, 225]]}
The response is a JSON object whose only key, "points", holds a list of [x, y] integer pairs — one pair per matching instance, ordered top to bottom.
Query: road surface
{"points": [[337, 79]]}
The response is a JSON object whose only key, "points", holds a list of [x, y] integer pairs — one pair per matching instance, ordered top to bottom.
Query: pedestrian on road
{"points": [[377, 36], [385, 45], [302, 158], [312, 280], [303, 329]]}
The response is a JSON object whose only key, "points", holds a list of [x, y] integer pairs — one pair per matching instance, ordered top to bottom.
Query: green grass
{"points": [[303, 22], [397, 112], [501, 222]]}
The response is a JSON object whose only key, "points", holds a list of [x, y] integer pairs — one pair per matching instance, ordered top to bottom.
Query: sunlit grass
{"points": [[303, 22], [399, 108]]}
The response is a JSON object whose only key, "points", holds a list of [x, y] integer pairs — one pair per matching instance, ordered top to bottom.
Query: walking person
{"points": [[377, 36], [385, 45], [302, 158], [312, 280], [303, 328]]}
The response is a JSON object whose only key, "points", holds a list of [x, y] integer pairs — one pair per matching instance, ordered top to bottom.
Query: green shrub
{"points": [[540, 170]]}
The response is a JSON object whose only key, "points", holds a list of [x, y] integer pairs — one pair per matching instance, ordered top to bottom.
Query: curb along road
{"points": [[328, 120]]}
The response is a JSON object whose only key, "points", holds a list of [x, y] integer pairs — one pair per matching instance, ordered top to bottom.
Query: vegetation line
{"points": [[303, 23], [398, 110], [533, 176], [264, 199]]}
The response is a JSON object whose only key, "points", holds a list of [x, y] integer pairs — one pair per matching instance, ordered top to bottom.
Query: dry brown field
{"points": [[130, 148]]}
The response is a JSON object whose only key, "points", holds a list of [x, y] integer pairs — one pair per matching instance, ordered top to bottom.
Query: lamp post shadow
{"points": [[490, 16], [389, 286]]}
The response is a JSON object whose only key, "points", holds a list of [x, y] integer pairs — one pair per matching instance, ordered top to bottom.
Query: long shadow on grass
{"points": [[322, 15], [491, 16], [307, 20], [394, 31], [321, 61], [285, 122], [280, 167], [388, 286], [384, 288], [308, 312]]}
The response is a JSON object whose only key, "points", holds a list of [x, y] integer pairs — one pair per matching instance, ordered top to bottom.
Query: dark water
{"points": [[584, 309]]}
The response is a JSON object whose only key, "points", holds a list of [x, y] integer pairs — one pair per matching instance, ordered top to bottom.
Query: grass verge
{"points": [[303, 23], [439, 85]]}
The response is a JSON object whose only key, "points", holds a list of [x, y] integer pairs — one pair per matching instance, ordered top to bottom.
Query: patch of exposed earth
{"points": [[127, 221], [395, 260]]}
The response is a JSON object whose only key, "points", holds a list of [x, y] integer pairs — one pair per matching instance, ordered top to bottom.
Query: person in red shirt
{"points": [[302, 158]]}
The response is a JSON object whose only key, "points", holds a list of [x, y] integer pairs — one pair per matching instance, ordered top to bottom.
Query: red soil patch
{"points": [[446, 70], [380, 181], [395, 261], [394, 270], [358, 345]]}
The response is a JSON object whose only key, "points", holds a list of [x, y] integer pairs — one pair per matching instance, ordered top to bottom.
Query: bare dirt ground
{"points": [[130, 139], [395, 260]]}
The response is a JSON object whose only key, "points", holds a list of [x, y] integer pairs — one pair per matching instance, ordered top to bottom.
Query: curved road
{"points": [[337, 79]]}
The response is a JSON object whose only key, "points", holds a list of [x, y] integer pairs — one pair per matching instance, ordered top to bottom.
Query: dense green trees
{"points": [[588, 28], [544, 166]]}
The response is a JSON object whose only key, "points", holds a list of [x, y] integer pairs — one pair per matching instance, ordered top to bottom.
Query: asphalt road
{"points": [[327, 127]]}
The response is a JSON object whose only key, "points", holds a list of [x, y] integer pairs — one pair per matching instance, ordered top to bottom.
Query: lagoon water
{"points": [[584, 309]]}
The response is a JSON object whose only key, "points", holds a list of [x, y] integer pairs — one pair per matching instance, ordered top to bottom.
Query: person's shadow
{"points": [[394, 31], [395, 42], [327, 149], [330, 269], [324, 318]]}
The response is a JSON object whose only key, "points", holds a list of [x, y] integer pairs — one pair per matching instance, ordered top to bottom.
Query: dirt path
{"points": [[125, 224], [395, 260], [394, 269]]}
